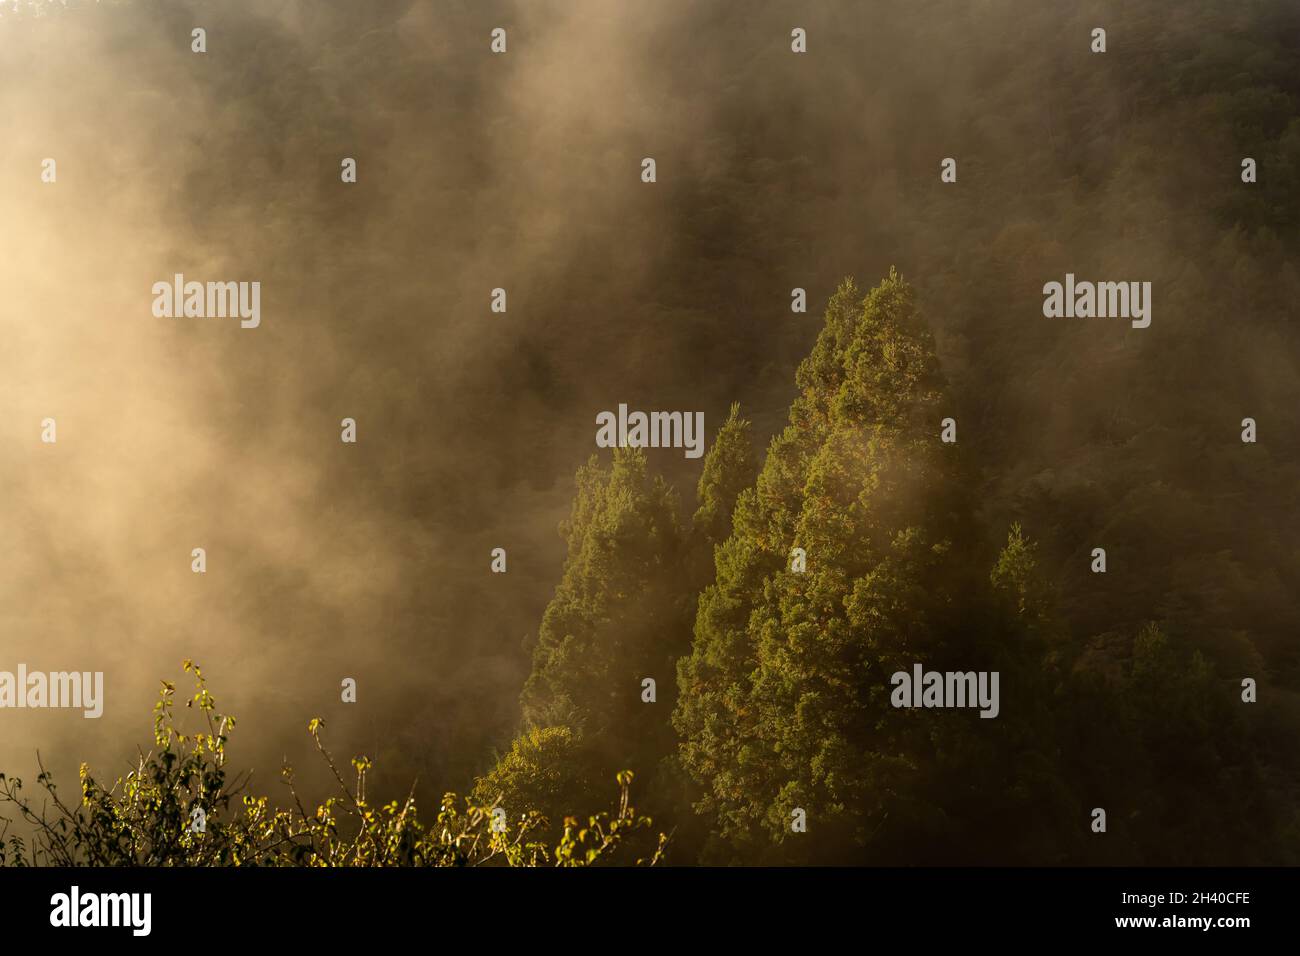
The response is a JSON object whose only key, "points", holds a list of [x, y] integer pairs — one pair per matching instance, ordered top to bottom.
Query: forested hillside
{"points": [[836, 530]]}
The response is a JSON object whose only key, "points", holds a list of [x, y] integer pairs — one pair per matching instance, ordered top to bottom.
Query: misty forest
{"points": [[553, 652]]}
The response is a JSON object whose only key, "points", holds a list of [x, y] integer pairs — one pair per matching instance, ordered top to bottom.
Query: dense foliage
{"points": [[857, 552], [179, 807]]}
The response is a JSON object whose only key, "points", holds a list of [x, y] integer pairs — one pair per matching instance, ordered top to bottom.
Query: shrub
{"points": [[180, 807]]}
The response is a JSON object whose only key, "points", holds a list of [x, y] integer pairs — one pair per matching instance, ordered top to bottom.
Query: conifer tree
{"points": [[729, 468], [622, 613], [616, 618], [612, 620], [784, 698]]}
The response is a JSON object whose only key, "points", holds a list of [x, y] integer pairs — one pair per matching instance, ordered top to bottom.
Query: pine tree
{"points": [[729, 468], [622, 612], [612, 620], [784, 698]]}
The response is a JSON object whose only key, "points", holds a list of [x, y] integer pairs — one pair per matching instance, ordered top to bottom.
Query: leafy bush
{"points": [[180, 807]]}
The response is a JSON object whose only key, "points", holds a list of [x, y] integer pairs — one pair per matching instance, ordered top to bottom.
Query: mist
{"points": [[521, 171]]}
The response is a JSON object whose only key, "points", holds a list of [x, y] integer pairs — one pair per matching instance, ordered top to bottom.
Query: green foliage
{"points": [[729, 468], [1016, 576], [617, 607], [621, 613], [784, 697], [1155, 735], [548, 769], [145, 819]]}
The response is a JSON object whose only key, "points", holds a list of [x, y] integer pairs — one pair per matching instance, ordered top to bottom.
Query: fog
{"points": [[328, 560]]}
